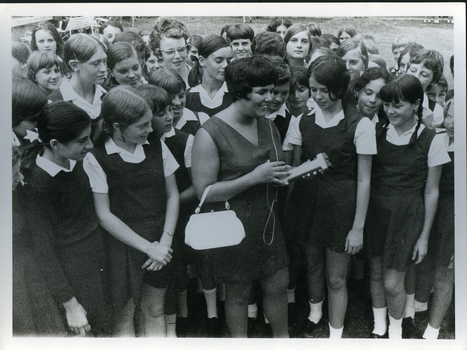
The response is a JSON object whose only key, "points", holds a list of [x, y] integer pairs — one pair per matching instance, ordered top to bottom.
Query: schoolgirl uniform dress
{"points": [[198, 100], [281, 119], [190, 121], [135, 184], [396, 208], [321, 211], [67, 239], [441, 242], [262, 252]]}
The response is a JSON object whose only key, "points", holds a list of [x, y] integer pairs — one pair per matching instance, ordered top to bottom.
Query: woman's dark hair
{"points": [[276, 22], [111, 23], [48, 27], [167, 27], [314, 29], [349, 29], [293, 30], [240, 31], [330, 38], [134, 40], [196, 40], [268, 43], [352, 44], [81, 47], [206, 47], [411, 50], [20, 52], [118, 52], [378, 59], [430, 59], [39, 60], [451, 64], [331, 71], [284, 73], [243, 74], [369, 75], [299, 77], [168, 80], [441, 82], [406, 88], [156, 97], [28, 101], [122, 105], [62, 121]]}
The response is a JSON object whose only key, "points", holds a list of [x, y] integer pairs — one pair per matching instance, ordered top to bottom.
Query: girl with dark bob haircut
{"points": [[242, 75], [238, 152], [404, 197], [327, 229]]}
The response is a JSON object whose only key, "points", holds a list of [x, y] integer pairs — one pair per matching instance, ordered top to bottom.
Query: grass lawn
{"points": [[438, 37]]}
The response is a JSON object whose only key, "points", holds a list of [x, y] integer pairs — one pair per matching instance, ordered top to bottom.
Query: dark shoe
{"points": [[182, 327], [251, 327], [213, 328], [310, 328], [409, 329], [377, 336]]}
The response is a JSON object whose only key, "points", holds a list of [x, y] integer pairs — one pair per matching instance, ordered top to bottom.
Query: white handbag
{"points": [[214, 229]]}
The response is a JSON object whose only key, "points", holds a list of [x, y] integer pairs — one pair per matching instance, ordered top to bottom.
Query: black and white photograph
{"points": [[220, 175]]}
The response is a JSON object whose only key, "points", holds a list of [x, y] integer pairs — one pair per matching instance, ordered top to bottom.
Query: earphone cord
{"points": [[271, 214]]}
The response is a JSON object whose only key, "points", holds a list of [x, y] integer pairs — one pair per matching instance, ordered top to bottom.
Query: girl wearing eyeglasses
{"points": [[169, 40]]}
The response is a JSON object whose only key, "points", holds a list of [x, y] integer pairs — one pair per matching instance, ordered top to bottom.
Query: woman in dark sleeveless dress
{"points": [[238, 152]]}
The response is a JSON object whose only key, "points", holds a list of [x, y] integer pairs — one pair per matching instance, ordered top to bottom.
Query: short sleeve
{"points": [[438, 115], [203, 117], [293, 135], [365, 137], [188, 149], [438, 153], [170, 164], [96, 175]]}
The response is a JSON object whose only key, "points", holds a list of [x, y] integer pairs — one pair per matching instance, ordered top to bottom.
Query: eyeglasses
{"points": [[181, 51]]}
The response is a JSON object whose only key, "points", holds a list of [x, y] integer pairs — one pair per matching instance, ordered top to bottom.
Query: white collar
{"points": [[199, 88], [69, 94], [281, 112], [188, 115], [333, 122], [392, 130], [168, 134], [111, 147], [51, 168]]}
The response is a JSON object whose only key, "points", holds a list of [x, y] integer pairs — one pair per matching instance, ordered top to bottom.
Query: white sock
{"points": [[222, 292], [291, 295], [211, 302], [182, 304], [420, 307], [409, 310], [253, 311], [316, 311], [265, 319], [171, 324], [381, 324], [395, 328], [335, 333], [430, 333]]}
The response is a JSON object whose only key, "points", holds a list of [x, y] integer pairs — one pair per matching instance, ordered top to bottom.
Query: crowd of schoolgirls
{"points": [[117, 135]]}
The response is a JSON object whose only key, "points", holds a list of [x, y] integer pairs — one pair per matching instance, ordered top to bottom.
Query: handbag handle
{"points": [[203, 198]]}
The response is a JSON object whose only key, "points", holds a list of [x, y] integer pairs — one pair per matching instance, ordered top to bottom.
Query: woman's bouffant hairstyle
{"points": [[276, 22], [112, 23], [48, 27], [167, 27], [314, 29], [349, 29], [239, 31], [268, 43], [351, 44], [81, 47], [206, 47], [20, 52], [118, 52], [430, 59], [39, 60], [331, 71], [284, 73], [244, 74], [369, 75], [299, 77], [168, 80], [406, 88], [156, 97], [28, 101], [124, 106], [62, 121]]}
